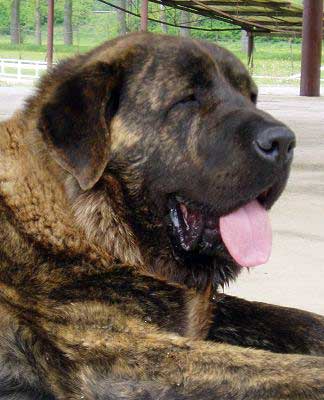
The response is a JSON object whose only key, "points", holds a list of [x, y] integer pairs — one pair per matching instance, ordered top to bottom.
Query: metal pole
{"points": [[144, 15], [50, 33], [311, 49]]}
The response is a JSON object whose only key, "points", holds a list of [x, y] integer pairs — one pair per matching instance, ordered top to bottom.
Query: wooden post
{"points": [[144, 15], [50, 33], [311, 48]]}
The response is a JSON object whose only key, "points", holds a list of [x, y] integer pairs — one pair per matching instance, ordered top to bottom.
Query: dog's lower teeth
{"points": [[195, 230]]}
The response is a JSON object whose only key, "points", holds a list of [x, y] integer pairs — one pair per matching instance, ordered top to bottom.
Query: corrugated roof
{"points": [[259, 16]]}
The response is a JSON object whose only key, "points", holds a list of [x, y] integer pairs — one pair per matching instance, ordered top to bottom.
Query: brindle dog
{"points": [[106, 293]]}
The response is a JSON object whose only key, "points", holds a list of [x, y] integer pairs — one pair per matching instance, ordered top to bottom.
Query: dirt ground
{"points": [[295, 274]]}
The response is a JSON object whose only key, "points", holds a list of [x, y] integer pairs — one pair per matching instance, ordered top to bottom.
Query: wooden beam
{"points": [[237, 3], [256, 3], [208, 12], [215, 12], [272, 13], [283, 18], [274, 22], [288, 34], [311, 48]]}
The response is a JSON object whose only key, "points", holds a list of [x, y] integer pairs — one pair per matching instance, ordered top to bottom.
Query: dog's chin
{"points": [[196, 242], [196, 255], [193, 270]]}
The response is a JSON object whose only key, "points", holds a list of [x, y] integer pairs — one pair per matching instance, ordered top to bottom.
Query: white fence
{"points": [[21, 70], [29, 71]]}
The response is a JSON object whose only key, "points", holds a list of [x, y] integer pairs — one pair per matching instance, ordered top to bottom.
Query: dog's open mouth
{"points": [[245, 233]]}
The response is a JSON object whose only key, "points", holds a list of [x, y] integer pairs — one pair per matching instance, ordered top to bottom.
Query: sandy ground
{"points": [[295, 274]]}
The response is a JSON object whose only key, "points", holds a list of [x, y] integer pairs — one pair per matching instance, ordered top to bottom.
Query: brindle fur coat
{"points": [[94, 301]]}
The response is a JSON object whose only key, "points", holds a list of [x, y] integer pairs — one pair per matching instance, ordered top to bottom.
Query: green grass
{"points": [[84, 40], [271, 58]]}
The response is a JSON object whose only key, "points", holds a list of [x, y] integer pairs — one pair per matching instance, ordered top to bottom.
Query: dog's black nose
{"points": [[275, 144]]}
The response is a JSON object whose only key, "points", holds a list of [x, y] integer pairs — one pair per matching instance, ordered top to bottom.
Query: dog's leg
{"points": [[264, 326], [80, 349], [128, 359], [131, 360], [142, 364], [188, 370], [19, 376], [17, 384], [129, 389]]}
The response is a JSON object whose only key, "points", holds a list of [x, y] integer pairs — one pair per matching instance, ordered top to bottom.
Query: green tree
{"points": [[82, 12], [4, 16], [163, 18], [38, 23]]}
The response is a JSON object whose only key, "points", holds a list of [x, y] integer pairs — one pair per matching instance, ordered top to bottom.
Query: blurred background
{"points": [[83, 24]]}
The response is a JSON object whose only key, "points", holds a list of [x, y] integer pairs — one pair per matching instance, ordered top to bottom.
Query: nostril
{"points": [[275, 144], [267, 146], [271, 147]]}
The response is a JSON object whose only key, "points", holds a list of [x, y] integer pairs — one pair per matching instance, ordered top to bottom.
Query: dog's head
{"points": [[172, 164]]}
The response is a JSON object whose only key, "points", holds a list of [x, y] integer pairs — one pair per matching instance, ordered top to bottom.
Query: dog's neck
{"points": [[31, 187], [50, 210], [54, 212], [102, 215]]}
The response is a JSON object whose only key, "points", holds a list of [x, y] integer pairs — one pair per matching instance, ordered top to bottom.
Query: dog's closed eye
{"points": [[188, 99], [191, 99]]}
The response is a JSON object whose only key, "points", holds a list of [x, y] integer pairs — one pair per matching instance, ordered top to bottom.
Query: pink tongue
{"points": [[247, 234]]}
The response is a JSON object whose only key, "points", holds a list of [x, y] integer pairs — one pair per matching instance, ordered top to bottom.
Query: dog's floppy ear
{"points": [[75, 121]]}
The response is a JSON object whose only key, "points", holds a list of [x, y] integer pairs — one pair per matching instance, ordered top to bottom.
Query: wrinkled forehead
{"points": [[160, 64], [178, 64], [186, 64], [165, 71]]}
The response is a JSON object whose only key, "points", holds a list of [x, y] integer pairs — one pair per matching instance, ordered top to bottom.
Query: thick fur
{"points": [[94, 303]]}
